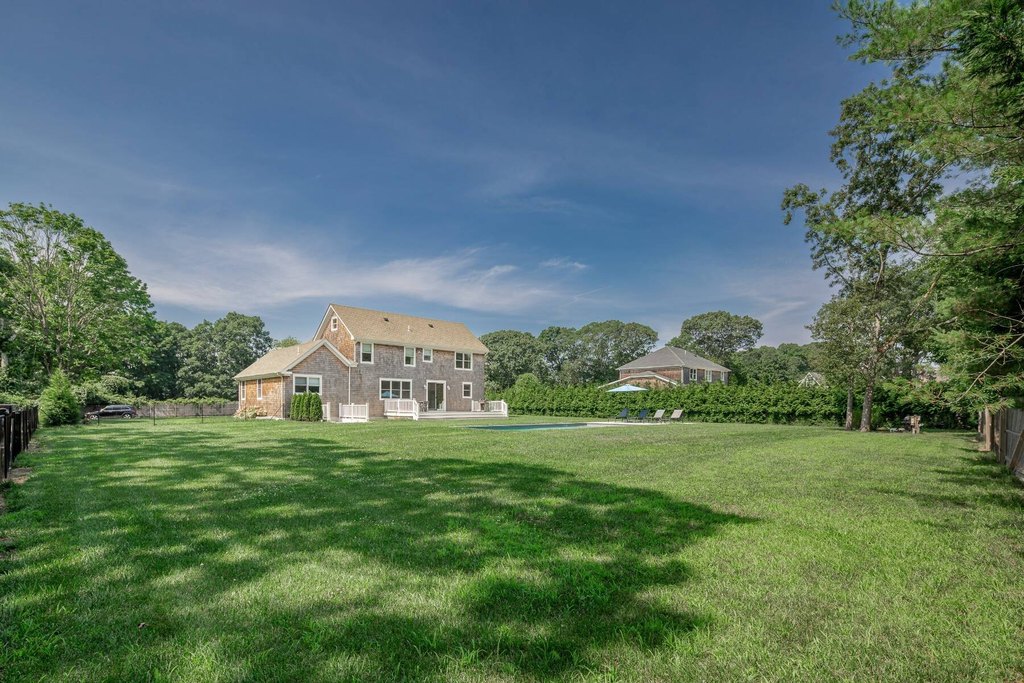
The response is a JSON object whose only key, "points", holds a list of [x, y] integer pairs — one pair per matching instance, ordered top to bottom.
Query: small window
{"points": [[334, 324], [366, 353], [428, 355], [410, 356], [464, 361], [693, 375], [707, 375], [724, 377], [303, 383], [395, 388], [259, 390], [467, 390], [241, 391]]}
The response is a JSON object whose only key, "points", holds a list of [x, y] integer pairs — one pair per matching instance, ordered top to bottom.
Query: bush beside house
{"points": [[58, 404]]}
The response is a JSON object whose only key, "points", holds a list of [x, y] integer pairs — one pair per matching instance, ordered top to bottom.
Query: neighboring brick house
{"points": [[364, 357], [670, 366]]}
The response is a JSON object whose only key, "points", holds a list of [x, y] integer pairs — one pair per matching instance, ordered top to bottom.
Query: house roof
{"points": [[407, 330], [671, 357], [278, 361], [641, 375]]}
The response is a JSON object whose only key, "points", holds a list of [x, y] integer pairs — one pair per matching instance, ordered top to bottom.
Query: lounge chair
{"points": [[624, 415], [642, 415], [659, 415], [677, 416]]}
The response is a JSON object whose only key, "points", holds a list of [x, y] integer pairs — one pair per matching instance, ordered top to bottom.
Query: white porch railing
{"points": [[401, 407], [497, 407], [353, 412]]}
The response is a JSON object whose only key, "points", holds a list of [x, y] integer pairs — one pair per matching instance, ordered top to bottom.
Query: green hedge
{"points": [[774, 403], [306, 407]]}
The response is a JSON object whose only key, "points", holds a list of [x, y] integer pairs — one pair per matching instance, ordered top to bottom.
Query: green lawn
{"points": [[237, 551]]}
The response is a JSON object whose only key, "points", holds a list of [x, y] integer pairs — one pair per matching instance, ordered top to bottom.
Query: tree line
{"points": [[924, 238], [70, 306]]}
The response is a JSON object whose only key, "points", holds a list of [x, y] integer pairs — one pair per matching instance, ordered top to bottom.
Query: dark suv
{"points": [[126, 412]]}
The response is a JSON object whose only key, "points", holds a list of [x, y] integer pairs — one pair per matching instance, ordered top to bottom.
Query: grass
{"points": [[238, 551]]}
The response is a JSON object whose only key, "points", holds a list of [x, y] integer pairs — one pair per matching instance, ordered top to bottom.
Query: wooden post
{"points": [[986, 431]]}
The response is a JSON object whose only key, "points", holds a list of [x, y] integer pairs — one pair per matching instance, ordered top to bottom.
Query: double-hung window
{"points": [[366, 352], [428, 355], [410, 356], [464, 361], [693, 375], [707, 375], [306, 383], [395, 388], [259, 390], [467, 390], [241, 391]]}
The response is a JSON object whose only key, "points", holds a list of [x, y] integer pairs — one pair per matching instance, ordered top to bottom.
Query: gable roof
{"points": [[407, 330], [671, 357], [278, 361], [641, 375]]}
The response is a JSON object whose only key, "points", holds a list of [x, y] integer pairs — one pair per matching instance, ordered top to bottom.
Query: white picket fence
{"points": [[401, 407], [353, 412]]}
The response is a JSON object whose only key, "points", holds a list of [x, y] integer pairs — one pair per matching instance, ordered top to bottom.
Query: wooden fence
{"points": [[162, 409], [17, 425], [1001, 434]]}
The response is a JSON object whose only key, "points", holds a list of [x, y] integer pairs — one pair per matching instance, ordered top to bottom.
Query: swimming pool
{"points": [[532, 427]]}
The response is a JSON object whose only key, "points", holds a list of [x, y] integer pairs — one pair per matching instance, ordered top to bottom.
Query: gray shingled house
{"points": [[365, 363], [670, 366]]}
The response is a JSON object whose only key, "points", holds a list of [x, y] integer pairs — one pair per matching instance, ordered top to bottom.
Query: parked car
{"points": [[125, 412]]}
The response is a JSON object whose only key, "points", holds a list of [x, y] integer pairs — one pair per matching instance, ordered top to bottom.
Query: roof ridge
{"points": [[404, 315]]}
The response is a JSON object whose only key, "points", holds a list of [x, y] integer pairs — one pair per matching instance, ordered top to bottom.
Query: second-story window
{"points": [[365, 352], [428, 355], [410, 356], [464, 361]]}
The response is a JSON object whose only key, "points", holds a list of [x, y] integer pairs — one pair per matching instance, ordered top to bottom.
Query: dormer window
{"points": [[334, 324]]}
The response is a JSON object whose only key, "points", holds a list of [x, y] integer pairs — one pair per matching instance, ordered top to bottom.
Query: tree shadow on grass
{"points": [[540, 569]]}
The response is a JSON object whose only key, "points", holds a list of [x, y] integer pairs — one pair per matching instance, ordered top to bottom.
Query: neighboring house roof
{"points": [[407, 330], [671, 357], [280, 361], [641, 375], [813, 379]]}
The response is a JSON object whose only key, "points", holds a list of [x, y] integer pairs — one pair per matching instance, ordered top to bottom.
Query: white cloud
{"points": [[563, 263], [210, 274]]}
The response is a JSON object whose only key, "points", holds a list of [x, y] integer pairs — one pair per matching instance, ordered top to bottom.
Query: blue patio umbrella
{"points": [[624, 388]]}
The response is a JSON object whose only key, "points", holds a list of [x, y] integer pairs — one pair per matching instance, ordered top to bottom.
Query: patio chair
{"points": [[624, 415], [642, 415], [659, 415], [677, 416]]}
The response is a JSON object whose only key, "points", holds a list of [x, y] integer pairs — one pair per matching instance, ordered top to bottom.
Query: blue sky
{"points": [[510, 165]]}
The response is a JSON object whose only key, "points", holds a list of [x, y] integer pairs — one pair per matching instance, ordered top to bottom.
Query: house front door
{"points": [[435, 395]]}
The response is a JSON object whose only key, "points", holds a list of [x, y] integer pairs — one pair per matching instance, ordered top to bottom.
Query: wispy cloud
{"points": [[563, 263], [234, 274]]}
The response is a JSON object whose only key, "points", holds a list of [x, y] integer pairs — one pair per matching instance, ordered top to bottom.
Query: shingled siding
{"points": [[339, 338], [389, 363], [675, 374], [333, 379], [270, 404]]}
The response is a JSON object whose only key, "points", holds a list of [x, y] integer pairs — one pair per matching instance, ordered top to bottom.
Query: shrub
{"points": [[57, 403], [754, 403], [306, 407]]}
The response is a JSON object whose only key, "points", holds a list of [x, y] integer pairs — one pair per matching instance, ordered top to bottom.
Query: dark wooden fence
{"points": [[17, 425], [1001, 433]]}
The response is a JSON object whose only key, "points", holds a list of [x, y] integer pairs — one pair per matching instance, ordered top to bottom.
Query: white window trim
{"points": [[334, 323], [362, 346], [425, 354], [466, 355], [405, 356], [693, 374], [708, 376], [723, 377], [319, 378], [470, 385], [380, 386], [241, 390], [259, 390]]}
